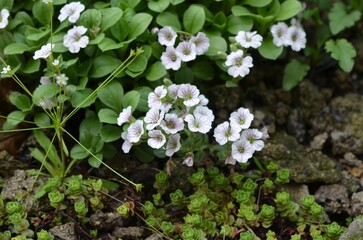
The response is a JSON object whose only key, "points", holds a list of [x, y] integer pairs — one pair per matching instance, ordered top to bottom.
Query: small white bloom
{"points": [[72, 11], [4, 15], [155, 30], [279, 34], [167, 36], [296, 38], [74, 39], [249, 39], [201, 42], [44, 51], [187, 51], [170, 59], [55, 62], [238, 65], [6, 70], [61, 79], [45, 80], [173, 90], [189, 93], [154, 98], [203, 100], [48, 103], [204, 111], [125, 116], [153, 118], [242, 118], [198, 123], [171, 124], [135, 130], [225, 132], [265, 134], [253, 136], [156, 139], [173, 145], [126, 146], [241, 151], [230, 160], [188, 161]]}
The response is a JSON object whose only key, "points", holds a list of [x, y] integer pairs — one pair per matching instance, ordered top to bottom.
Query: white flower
{"points": [[72, 11], [4, 15], [155, 30], [279, 34], [167, 36], [296, 38], [74, 39], [249, 39], [201, 43], [44, 51], [186, 51], [171, 59], [55, 62], [238, 65], [6, 70], [61, 79], [45, 80], [173, 90], [189, 93], [154, 98], [203, 100], [48, 103], [204, 111], [125, 116], [153, 118], [242, 118], [198, 123], [171, 124], [135, 130], [225, 132], [265, 134], [253, 136], [156, 140], [173, 145], [126, 146], [241, 151], [230, 160], [188, 161]]}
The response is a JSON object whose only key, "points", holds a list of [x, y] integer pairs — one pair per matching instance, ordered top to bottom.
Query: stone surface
{"points": [[297, 191], [333, 197], [357, 203], [106, 220], [354, 231], [64, 232], [128, 232]]}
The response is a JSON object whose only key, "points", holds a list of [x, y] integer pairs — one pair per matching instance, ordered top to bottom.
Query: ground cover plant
{"points": [[96, 79]]}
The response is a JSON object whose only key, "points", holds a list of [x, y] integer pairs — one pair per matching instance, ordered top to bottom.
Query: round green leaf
{"points": [[158, 5], [288, 9], [110, 16], [90, 18], [169, 19], [194, 19], [139, 23], [236, 24], [217, 44], [16, 48], [269, 50], [103, 65], [155, 71], [44, 92], [111, 95], [131, 99], [21, 101], [107, 116], [13, 119], [110, 133], [78, 152]]}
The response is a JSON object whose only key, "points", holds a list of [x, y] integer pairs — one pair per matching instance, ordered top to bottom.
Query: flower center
{"points": [[241, 149]]}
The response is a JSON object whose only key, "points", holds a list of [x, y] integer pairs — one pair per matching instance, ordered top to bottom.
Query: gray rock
{"points": [[297, 191], [334, 197], [357, 203], [106, 221], [354, 231], [64, 232], [128, 232], [154, 236]]}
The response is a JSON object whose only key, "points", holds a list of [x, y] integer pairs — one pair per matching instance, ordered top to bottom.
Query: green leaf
{"points": [[254, 3], [8, 4], [158, 5], [288, 9], [240, 11], [41, 13], [110, 16], [91, 18], [169, 19], [194, 19], [340, 19], [139, 23], [236, 24], [120, 30], [109, 44], [217, 44], [16, 48], [269, 50], [342, 51], [139, 64], [103, 65], [31, 66], [203, 70], [155, 71], [294, 72], [44, 92], [111, 95], [79, 96], [131, 99], [21, 101], [143, 105], [107, 116], [13, 119], [41, 119], [90, 126], [110, 133], [49, 147], [78, 152], [143, 153], [96, 161]]}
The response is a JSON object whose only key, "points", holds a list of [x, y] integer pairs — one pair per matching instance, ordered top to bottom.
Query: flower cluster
{"points": [[293, 36], [185, 51], [238, 62], [174, 110], [241, 141]]}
